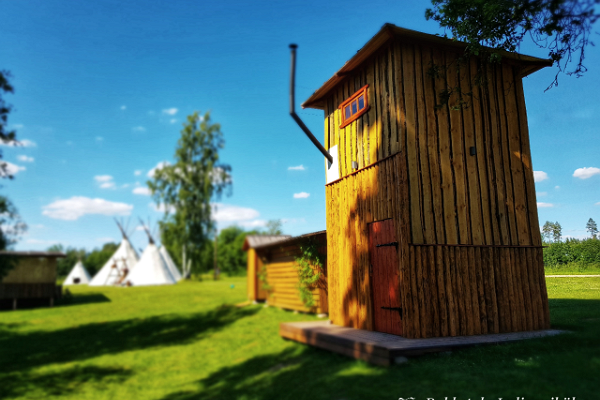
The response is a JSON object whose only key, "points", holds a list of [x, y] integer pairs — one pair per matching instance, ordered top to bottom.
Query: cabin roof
{"points": [[390, 32], [290, 240], [253, 241], [55, 254]]}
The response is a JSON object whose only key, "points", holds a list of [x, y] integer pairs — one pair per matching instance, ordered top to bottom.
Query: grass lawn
{"points": [[572, 269], [189, 341]]}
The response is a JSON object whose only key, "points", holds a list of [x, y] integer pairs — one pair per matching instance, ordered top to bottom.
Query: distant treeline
{"points": [[573, 254], [231, 259], [93, 260]]}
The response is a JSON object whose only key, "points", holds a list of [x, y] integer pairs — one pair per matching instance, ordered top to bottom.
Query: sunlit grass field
{"points": [[191, 341]]}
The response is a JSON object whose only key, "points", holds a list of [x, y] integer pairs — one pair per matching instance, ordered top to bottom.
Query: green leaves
{"points": [[562, 27], [186, 188], [310, 270]]}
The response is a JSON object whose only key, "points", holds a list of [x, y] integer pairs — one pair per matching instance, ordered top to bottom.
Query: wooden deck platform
{"points": [[382, 348]]}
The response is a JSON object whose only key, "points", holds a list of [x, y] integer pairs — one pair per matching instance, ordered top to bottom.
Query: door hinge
{"points": [[395, 244], [399, 309]]}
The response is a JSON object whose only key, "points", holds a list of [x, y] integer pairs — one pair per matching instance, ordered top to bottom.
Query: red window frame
{"points": [[349, 103]]}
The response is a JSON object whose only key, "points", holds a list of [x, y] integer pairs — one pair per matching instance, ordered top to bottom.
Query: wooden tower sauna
{"points": [[432, 225]]}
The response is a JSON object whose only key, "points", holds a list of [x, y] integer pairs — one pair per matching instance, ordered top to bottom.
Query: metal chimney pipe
{"points": [[296, 118]]}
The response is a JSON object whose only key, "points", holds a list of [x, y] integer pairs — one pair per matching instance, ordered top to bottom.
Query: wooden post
{"points": [[14, 304]]}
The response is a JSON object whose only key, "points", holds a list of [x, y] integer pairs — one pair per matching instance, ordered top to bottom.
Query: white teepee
{"points": [[170, 263], [119, 266], [152, 269], [78, 275]]}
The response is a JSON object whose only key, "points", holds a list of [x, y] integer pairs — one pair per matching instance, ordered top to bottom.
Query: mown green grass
{"points": [[573, 269], [190, 341]]}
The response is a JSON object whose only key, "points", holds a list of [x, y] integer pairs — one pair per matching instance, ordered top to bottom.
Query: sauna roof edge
{"points": [[390, 32]]}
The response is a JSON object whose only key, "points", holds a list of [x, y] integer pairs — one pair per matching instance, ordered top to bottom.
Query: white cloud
{"points": [[123, 107], [170, 111], [173, 120], [17, 126], [138, 129], [99, 138], [20, 143], [25, 158], [160, 165], [298, 168], [10, 169], [138, 172], [586, 172], [219, 175], [539, 176], [103, 178], [105, 181], [108, 185], [125, 185], [557, 187], [144, 191], [540, 194], [301, 195], [597, 204], [544, 205], [78, 206], [161, 208], [228, 213], [257, 223], [37, 226], [105, 240]]}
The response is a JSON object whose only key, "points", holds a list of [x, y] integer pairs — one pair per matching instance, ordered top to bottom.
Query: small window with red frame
{"points": [[355, 106]]}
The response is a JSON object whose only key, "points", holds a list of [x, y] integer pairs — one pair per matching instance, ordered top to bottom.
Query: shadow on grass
{"points": [[80, 299], [20, 352], [538, 368], [60, 383]]}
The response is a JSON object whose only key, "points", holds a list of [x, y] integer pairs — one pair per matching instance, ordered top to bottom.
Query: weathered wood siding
{"points": [[372, 194], [454, 197], [32, 270], [484, 271], [251, 274], [282, 276], [29, 290], [473, 290], [256, 292]]}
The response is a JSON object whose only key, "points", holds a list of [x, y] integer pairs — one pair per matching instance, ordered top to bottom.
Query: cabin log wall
{"points": [[282, 276]]}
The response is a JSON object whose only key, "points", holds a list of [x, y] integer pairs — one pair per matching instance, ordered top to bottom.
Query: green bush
{"points": [[575, 254]]}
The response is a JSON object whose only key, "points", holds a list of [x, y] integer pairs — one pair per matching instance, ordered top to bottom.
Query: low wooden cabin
{"points": [[432, 226], [275, 262], [255, 266], [32, 281]]}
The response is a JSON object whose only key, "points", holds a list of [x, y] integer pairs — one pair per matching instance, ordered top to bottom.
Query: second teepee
{"points": [[170, 263], [119, 266], [152, 269], [78, 275]]}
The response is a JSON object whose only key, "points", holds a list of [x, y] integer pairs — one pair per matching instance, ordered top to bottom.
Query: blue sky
{"points": [[102, 88]]}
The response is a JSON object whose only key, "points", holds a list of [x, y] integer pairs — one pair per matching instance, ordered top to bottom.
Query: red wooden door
{"points": [[385, 280]]}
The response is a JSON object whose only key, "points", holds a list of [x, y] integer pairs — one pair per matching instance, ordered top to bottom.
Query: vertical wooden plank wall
{"points": [[372, 194], [455, 197], [470, 261], [251, 275], [478, 289]]}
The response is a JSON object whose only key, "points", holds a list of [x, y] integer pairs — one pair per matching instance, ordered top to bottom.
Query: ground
{"points": [[191, 341]]}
